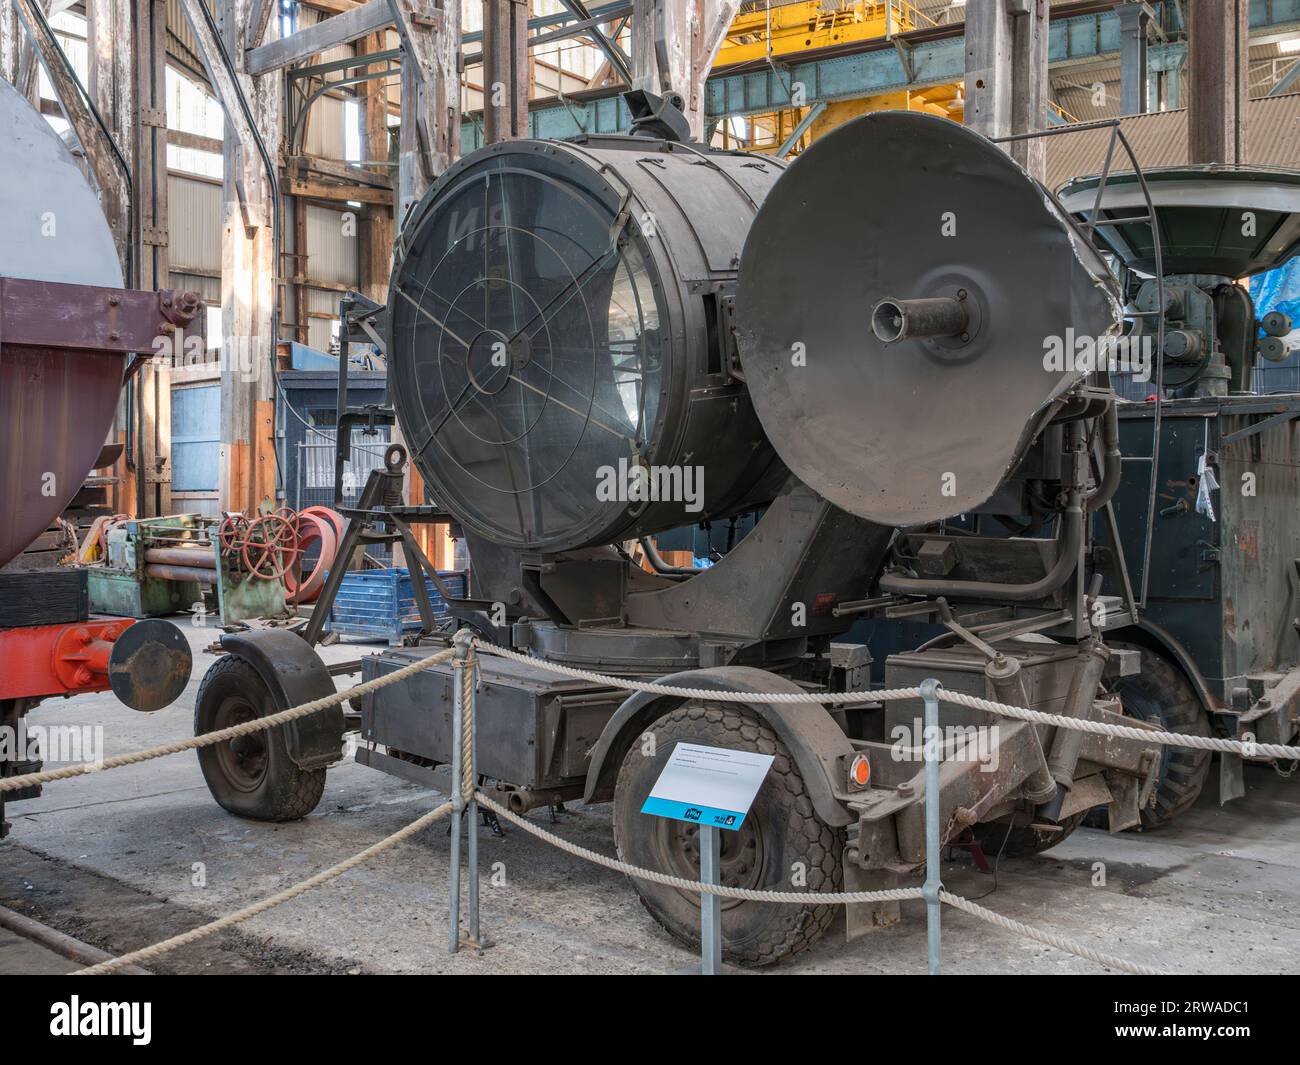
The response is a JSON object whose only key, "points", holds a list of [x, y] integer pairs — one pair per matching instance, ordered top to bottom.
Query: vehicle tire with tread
{"points": [[1161, 695], [252, 776], [781, 838], [1023, 840]]}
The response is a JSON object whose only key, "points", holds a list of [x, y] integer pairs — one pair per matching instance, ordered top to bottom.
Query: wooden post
{"points": [[674, 43], [17, 52], [1218, 61], [505, 70], [1006, 75], [431, 95], [375, 258], [249, 271]]}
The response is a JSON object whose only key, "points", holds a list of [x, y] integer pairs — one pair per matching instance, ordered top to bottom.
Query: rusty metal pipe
{"points": [[893, 320], [182, 556], [181, 573], [1008, 683], [1068, 742], [521, 800]]}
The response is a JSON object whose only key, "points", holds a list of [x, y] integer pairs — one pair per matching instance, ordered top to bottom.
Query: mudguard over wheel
{"points": [[1161, 695], [252, 776], [782, 845]]}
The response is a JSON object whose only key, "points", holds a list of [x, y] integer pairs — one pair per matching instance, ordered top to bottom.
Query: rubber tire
{"points": [[1161, 695], [285, 792], [1023, 840], [753, 933]]}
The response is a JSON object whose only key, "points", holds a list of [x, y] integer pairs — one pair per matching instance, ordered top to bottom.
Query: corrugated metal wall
{"points": [[194, 209], [320, 331]]}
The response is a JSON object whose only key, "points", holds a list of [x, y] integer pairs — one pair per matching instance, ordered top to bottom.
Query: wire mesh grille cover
{"points": [[528, 326]]}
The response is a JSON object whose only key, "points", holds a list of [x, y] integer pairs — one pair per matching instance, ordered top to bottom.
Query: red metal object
{"points": [[62, 358], [312, 528], [269, 547], [42, 660]]}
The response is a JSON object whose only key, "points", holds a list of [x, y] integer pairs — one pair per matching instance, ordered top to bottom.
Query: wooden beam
{"points": [[331, 7], [258, 20], [149, 28], [341, 29], [674, 43], [1217, 60], [18, 62], [505, 69], [430, 136], [195, 141], [307, 165], [317, 190], [375, 236], [249, 270]]}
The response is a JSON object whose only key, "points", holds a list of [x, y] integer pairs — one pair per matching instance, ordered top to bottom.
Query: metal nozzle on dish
{"points": [[893, 320]]}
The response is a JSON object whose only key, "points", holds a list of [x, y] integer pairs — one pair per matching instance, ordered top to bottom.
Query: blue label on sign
{"points": [[696, 815]]}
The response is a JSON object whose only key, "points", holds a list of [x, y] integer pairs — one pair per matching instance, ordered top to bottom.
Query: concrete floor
{"points": [[114, 860]]}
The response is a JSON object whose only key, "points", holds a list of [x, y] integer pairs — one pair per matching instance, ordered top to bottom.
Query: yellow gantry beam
{"points": [[761, 32]]}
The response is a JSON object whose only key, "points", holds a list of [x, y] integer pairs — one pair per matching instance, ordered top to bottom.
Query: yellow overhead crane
{"points": [[764, 31]]}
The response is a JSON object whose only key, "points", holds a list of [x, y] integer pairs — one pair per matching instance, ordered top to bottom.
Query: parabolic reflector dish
{"points": [[899, 292], [56, 404]]}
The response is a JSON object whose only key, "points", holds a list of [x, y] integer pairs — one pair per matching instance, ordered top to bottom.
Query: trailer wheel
{"points": [[1161, 695], [252, 776], [782, 845]]}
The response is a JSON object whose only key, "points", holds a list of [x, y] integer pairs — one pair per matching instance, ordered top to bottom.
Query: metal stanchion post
{"points": [[933, 749], [457, 795], [710, 905]]}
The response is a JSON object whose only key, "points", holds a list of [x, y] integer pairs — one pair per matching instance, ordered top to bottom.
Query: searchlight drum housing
{"points": [[558, 317], [897, 350]]}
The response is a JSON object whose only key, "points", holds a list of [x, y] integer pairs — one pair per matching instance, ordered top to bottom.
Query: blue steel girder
{"points": [[1083, 39]]}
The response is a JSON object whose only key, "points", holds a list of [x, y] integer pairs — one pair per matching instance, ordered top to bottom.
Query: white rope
{"points": [[1038, 717], [207, 739], [300, 888], [750, 895], [830, 898], [1070, 946]]}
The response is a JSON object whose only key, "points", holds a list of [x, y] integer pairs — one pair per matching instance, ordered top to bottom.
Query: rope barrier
{"points": [[468, 670], [244, 728], [1248, 749], [301, 888], [829, 898], [1050, 939]]}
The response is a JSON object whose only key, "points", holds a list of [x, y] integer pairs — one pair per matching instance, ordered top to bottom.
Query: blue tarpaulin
{"points": [[1279, 290]]}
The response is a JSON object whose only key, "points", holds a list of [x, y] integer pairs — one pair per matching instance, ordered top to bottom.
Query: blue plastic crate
{"points": [[381, 603]]}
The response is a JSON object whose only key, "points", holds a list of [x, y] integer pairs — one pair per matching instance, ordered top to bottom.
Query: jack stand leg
{"points": [[862, 917]]}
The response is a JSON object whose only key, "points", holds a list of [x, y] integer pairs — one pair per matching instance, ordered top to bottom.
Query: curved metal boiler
{"points": [[557, 319], [56, 404]]}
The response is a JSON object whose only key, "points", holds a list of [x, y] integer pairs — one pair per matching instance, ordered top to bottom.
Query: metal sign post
{"points": [[711, 788], [710, 905]]}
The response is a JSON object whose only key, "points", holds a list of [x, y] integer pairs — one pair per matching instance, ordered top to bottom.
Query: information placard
{"points": [[711, 786]]}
